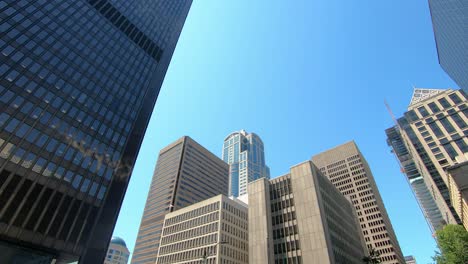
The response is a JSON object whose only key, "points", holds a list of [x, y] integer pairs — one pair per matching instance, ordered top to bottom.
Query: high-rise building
{"points": [[449, 20], [78, 83], [434, 130], [244, 152], [347, 169], [186, 173], [416, 181], [457, 182], [302, 218], [212, 231], [118, 252]]}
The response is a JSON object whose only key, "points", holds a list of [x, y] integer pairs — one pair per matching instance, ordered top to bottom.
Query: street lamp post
{"points": [[205, 254]]}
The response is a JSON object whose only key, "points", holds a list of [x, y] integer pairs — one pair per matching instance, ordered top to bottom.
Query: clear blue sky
{"points": [[305, 76]]}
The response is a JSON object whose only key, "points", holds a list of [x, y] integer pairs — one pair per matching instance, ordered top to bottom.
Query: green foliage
{"points": [[453, 244], [373, 258]]}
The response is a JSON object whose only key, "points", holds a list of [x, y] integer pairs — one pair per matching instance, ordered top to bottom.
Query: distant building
{"points": [[449, 20], [434, 132], [244, 152], [349, 172], [186, 173], [457, 182], [302, 218], [211, 231], [118, 252], [410, 260]]}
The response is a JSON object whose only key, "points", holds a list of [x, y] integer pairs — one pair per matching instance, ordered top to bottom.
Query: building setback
{"points": [[449, 20], [78, 83], [435, 130], [244, 152], [347, 169], [186, 173], [457, 182], [302, 218], [213, 231]]}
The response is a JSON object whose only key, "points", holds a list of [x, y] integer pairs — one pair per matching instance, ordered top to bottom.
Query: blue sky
{"points": [[305, 76]]}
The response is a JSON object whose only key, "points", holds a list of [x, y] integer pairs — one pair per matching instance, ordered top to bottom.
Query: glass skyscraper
{"points": [[449, 19], [78, 83], [427, 140], [244, 152]]}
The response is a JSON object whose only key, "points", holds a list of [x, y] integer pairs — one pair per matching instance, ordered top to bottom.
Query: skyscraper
{"points": [[449, 20], [78, 83], [434, 130], [244, 152], [409, 167], [347, 169], [186, 173], [300, 218]]}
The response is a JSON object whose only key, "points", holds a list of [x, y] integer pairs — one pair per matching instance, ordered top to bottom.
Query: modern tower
{"points": [[449, 20], [78, 83], [434, 131], [244, 152], [347, 169], [186, 173], [416, 181], [458, 188], [302, 218], [212, 231], [118, 252]]}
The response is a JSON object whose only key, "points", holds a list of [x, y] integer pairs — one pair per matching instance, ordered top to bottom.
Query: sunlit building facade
{"points": [[78, 83], [434, 130], [244, 152], [118, 252]]}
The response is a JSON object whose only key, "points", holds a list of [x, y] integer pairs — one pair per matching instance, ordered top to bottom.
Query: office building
{"points": [[449, 20], [78, 83], [434, 130], [244, 152], [347, 169], [186, 173], [416, 181], [457, 182], [302, 218], [212, 231], [118, 252], [410, 260]]}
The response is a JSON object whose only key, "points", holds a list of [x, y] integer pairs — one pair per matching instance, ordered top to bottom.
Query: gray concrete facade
{"points": [[349, 172], [301, 218]]}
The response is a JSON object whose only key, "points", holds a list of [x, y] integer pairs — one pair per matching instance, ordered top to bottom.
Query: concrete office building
{"points": [[449, 20], [78, 83], [435, 130], [244, 152], [409, 167], [347, 169], [186, 173], [457, 182], [302, 218], [212, 231], [118, 252]]}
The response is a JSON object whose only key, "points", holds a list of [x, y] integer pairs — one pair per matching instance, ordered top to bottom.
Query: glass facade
{"points": [[449, 19], [78, 82], [427, 143], [244, 152], [415, 179]]}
